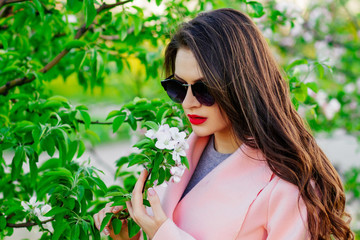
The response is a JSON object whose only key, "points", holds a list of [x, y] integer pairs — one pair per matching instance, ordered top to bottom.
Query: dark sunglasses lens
{"points": [[175, 90], [202, 94]]}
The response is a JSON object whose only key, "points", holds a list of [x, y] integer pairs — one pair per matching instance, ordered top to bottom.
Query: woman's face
{"points": [[205, 120]]}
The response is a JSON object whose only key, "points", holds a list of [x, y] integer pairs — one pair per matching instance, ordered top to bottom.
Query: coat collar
{"points": [[243, 161], [175, 190]]}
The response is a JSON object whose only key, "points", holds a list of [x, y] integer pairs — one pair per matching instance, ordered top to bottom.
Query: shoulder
{"points": [[285, 204]]}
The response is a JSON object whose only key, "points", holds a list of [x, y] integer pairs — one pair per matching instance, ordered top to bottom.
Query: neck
{"points": [[225, 143]]}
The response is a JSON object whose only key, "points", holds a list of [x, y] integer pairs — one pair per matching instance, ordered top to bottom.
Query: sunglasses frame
{"points": [[197, 95]]}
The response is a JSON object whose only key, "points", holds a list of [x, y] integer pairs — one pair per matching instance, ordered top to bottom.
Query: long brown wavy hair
{"points": [[248, 85]]}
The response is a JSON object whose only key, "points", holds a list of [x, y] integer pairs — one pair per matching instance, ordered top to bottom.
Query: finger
{"points": [[139, 185], [137, 195], [155, 203], [108, 208], [117, 209], [130, 209], [96, 220]]}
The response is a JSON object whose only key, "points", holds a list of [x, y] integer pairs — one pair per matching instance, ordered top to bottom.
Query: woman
{"points": [[255, 170]]}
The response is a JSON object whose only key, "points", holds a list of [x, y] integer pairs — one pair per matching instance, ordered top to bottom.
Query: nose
{"points": [[190, 100]]}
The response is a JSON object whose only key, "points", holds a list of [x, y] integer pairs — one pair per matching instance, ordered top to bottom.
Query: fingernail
{"points": [[151, 192], [116, 209], [106, 231]]}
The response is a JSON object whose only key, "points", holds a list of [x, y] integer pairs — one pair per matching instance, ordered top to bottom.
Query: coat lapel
{"points": [[175, 190], [217, 206]]}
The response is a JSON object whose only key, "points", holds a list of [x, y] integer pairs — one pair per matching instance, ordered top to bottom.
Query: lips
{"points": [[196, 120]]}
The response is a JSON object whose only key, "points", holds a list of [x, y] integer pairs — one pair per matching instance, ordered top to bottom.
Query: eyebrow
{"points": [[197, 80]]}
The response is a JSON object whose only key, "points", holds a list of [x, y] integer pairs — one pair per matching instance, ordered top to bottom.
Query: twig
{"points": [[4, 2], [109, 37], [20, 81], [95, 122], [147, 178], [27, 224]]}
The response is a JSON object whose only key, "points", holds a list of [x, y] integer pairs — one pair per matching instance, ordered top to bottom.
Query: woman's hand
{"points": [[136, 208], [108, 230]]}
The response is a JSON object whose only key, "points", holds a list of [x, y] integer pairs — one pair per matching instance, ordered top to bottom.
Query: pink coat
{"points": [[240, 199]]}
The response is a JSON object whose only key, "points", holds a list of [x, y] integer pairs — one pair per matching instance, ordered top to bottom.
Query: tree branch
{"points": [[4, 2], [20, 81], [95, 122], [27, 224]]}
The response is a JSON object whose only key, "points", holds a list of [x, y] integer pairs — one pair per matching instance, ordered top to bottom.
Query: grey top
{"points": [[209, 159]]}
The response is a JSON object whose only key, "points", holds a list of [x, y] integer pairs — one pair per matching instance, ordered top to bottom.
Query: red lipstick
{"points": [[195, 119]]}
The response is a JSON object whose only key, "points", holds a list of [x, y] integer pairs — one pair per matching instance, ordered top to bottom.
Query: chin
{"points": [[201, 132]]}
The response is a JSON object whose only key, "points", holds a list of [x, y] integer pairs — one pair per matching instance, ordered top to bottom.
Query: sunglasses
{"points": [[177, 91]]}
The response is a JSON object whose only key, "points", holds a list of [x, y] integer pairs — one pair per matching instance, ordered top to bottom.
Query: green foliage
{"points": [[119, 47]]}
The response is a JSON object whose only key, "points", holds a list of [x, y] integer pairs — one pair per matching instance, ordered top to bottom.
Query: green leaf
{"points": [[158, 2], [74, 5], [257, 7], [39, 8], [90, 12], [137, 25], [123, 33], [4, 41], [75, 44], [78, 62], [296, 63], [320, 69], [313, 86], [300, 92], [114, 113], [161, 114], [86, 117], [132, 121], [117, 122], [152, 125], [92, 136], [143, 142], [48, 145], [81, 149], [138, 159], [185, 161], [17, 162], [33, 171], [60, 172], [162, 176], [100, 184], [115, 194], [69, 203], [146, 203], [56, 211], [105, 221], [2, 222], [116, 224], [59, 228], [133, 228], [76, 229], [144, 235]]}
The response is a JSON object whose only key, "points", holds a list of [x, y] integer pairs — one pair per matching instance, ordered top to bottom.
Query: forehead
{"points": [[186, 66]]}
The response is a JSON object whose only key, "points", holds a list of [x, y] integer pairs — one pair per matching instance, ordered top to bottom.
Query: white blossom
{"points": [[349, 88], [321, 98], [331, 108], [151, 134], [176, 135], [171, 139], [165, 142], [179, 151], [177, 173], [38, 209]]}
